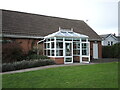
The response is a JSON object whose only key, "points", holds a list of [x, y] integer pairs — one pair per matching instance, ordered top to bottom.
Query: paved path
{"points": [[73, 64], [44, 67]]}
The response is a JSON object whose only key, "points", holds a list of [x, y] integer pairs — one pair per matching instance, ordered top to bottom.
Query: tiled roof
{"points": [[19, 23]]}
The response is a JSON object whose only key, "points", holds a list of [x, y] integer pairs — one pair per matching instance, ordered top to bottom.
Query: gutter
{"points": [[21, 36], [35, 37]]}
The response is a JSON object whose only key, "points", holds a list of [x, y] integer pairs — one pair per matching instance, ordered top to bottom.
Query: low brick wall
{"points": [[76, 58], [58, 60]]}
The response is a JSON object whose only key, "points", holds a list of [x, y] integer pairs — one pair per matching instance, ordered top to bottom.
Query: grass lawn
{"points": [[84, 76]]}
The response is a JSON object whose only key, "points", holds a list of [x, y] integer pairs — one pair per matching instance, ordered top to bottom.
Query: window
{"points": [[52, 39], [59, 39], [68, 39], [76, 39], [83, 40], [111, 42], [108, 43], [52, 44], [48, 45], [59, 45], [59, 48], [76, 48], [68, 49], [85, 49], [52, 52], [59, 52], [48, 53], [68, 59]]}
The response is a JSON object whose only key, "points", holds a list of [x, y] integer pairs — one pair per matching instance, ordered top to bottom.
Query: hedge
{"points": [[111, 51], [35, 56], [25, 64]]}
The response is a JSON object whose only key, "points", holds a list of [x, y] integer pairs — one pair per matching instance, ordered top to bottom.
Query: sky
{"points": [[100, 15]]}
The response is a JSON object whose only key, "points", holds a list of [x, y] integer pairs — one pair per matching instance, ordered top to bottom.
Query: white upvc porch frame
{"points": [[65, 52], [81, 56]]}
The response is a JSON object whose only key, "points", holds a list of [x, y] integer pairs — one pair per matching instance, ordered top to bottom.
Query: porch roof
{"points": [[66, 33]]}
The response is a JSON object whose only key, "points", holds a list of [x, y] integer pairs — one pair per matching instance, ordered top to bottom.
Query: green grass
{"points": [[84, 76]]}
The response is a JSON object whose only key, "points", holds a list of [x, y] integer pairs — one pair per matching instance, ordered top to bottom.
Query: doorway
{"points": [[95, 50], [68, 52]]}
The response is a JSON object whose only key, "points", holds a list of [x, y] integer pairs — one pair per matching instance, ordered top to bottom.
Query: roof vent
{"points": [[66, 30]]}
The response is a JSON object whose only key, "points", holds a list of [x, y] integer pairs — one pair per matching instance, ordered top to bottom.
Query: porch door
{"points": [[95, 50], [68, 53]]}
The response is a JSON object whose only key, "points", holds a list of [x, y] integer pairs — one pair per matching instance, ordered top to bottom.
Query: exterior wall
{"points": [[109, 39], [26, 44], [41, 49], [99, 49], [76, 58], [85, 59], [58, 60]]}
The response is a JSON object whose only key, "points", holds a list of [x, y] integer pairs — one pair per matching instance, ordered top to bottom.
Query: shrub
{"points": [[111, 51], [11, 52], [35, 56], [25, 64]]}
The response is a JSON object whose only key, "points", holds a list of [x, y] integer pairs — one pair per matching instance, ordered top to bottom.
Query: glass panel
{"points": [[63, 32], [48, 39], [52, 39], [59, 39], [68, 39], [76, 39], [84, 40], [52, 44], [45, 45], [48, 45], [59, 45], [76, 45], [68, 47], [76, 48], [85, 49], [48, 52], [52, 52], [59, 52], [76, 52], [84, 52], [68, 60]]}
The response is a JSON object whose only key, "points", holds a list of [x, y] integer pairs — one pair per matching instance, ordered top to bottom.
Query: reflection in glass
{"points": [[68, 47]]}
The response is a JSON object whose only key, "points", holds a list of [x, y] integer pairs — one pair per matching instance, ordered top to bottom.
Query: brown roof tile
{"points": [[40, 25]]}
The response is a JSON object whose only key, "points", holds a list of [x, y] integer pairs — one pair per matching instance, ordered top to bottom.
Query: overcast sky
{"points": [[101, 15]]}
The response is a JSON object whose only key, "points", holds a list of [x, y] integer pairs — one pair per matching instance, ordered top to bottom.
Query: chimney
{"points": [[114, 34]]}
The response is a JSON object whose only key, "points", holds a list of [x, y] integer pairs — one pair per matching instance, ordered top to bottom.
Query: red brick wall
{"points": [[26, 44], [91, 49], [76, 58], [58, 60]]}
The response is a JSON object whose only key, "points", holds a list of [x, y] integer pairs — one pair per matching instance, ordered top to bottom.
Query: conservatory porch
{"points": [[66, 46]]}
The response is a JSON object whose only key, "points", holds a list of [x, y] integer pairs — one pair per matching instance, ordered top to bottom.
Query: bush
{"points": [[111, 51], [11, 52], [35, 56], [25, 64]]}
